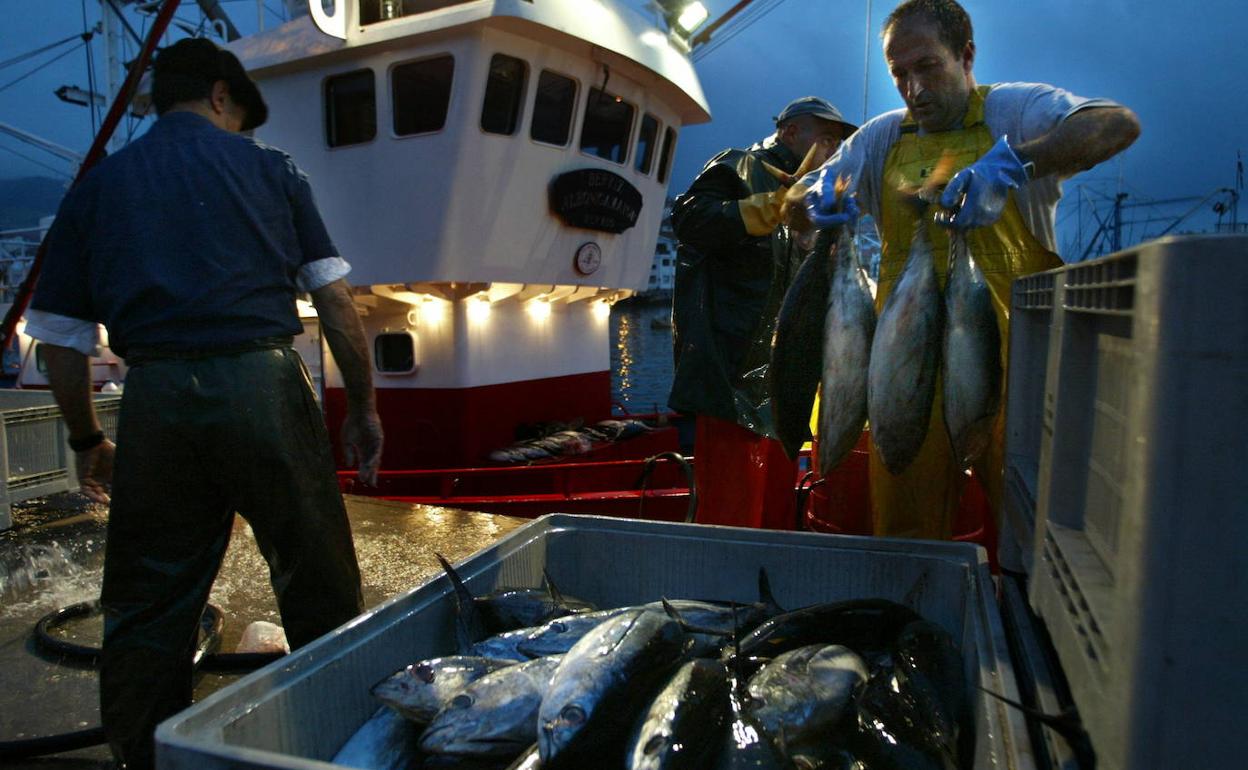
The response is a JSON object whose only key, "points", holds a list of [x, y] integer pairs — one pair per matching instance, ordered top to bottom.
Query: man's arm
{"points": [[1086, 138], [69, 372], [361, 432]]}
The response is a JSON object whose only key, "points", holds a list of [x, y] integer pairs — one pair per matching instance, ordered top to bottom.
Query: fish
{"points": [[848, 328], [797, 346], [972, 356], [905, 358], [506, 609], [709, 623], [866, 626], [925, 652], [603, 683], [420, 690], [803, 695], [495, 716], [684, 725], [896, 729], [386, 741], [745, 745], [529, 759]]}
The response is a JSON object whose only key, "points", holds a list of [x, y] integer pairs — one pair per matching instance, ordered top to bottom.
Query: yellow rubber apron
{"points": [[923, 499]]}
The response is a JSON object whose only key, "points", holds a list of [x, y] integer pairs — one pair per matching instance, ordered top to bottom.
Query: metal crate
{"points": [[35, 458], [1141, 538], [299, 711]]}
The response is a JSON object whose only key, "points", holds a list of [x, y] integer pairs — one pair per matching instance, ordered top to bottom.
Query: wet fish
{"points": [[848, 328], [797, 346], [972, 356], [905, 358], [507, 609], [866, 626], [557, 636], [925, 653], [603, 683], [420, 690], [802, 696], [493, 716], [684, 725], [897, 728], [386, 741], [745, 745], [529, 759]]}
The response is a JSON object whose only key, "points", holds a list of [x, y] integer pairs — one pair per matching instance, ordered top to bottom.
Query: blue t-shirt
{"points": [[189, 238]]}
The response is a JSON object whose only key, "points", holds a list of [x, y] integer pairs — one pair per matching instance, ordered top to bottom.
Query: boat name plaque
{"points": [[595, 200]]}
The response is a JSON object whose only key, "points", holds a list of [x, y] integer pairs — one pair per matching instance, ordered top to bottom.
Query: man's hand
{"points": [[978, 192], [361, 443], [95, 471]]}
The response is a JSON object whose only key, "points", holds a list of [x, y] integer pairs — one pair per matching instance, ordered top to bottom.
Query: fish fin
{"points": [[551, 588], [764, 593], [915, 594], [674, 614], [469, 628]]}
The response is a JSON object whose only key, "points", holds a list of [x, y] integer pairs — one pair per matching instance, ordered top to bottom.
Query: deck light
{"points": [[684, 16], [478, 308], [539, 308], [602, 309], [432, 310]]}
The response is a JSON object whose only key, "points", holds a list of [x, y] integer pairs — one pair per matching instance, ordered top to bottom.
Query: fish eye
{"points": [[424, 672], [461, 701], [572, 714], [655, 745]]}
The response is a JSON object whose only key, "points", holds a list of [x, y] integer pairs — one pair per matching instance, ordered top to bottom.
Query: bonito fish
{"points": [[849, 325], [797, 346], [972, 356], [905, 357], [420, 690], [802, 695], [495, 715], [684, 726]]}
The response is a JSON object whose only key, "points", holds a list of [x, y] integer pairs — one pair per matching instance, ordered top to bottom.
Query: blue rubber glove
{"points": [[983, 188], [821, 204]]}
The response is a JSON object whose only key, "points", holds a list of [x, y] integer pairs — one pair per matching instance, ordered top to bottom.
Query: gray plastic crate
{"points": [[1031, 316], [35, 458], [1141, 542], [298, 712]]}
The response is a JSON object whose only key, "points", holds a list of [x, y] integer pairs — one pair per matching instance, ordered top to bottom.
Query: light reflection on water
{"points": [[641, 357]]}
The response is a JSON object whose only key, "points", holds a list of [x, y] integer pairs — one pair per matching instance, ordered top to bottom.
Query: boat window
{"points": [[373, 11], [504, 93], [421, 94], [350, 108], [552, 109], [608, 122], [645, 143], [665, 157], [395, 352]]}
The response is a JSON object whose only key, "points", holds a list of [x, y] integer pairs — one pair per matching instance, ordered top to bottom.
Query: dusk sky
{"points": [[1179, 66]]}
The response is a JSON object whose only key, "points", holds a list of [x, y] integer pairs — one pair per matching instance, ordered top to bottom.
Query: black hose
{"points": [[206, 658]]}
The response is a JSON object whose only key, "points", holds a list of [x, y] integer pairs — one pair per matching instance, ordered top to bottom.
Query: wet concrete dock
{"points": [[53, 557]]}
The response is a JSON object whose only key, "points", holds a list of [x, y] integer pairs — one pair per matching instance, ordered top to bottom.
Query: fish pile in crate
{"points": [[548, 681]]}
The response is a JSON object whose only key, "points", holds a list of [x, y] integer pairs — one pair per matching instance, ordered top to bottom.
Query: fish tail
{"points": [[469, 627]]}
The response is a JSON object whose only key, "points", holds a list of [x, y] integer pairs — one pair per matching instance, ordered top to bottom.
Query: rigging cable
{"points": [[734, 28], [31, 54], [41, 66], [90, 70], [115, 113], [58, 171]]}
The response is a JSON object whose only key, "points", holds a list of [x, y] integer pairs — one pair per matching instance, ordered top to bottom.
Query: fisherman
{"points": [[1013, 144], [190, 245], [733, 265]]}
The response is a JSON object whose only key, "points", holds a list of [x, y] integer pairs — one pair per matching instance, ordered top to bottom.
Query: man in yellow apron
{"points": [[1011, 145]]}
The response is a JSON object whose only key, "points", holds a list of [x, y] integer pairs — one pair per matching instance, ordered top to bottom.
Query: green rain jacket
{"points": [[729, 286]]}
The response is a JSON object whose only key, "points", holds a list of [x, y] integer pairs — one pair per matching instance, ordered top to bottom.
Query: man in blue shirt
{"points": [[190, 245]]}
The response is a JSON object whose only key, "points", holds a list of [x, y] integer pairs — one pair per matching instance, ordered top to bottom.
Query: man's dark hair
{"points": [[953, 24], [187, 70]]}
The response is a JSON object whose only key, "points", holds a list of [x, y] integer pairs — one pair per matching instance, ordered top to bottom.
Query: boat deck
{"points": [[53, 557]]}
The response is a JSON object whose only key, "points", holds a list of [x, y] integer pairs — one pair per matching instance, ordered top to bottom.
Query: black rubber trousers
{"points": [[198, 440]]}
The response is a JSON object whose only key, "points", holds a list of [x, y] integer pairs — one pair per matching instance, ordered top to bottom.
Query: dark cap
{"points": [[186, 70], [815, 107]]}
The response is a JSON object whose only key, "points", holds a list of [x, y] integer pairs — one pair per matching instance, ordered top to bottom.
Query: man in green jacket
{"points": [[733, 266]]}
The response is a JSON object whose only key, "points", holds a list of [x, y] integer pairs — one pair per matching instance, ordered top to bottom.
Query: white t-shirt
{"points": [[1021, 111]]}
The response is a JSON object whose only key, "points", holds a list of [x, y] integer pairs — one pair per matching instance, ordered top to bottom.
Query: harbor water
{"points": [[641, 356]]}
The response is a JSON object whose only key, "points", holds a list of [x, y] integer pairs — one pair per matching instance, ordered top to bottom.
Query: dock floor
{"points": [[53, 557]]}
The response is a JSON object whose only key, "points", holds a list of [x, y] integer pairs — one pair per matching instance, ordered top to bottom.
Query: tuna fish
{"points": [[848, 328], [797, 346], [972, 356], [905, 357], [508, 608], [866, 626], [603, 683], [419, 691], [802, 696], [494, 716], [683, 728]]}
